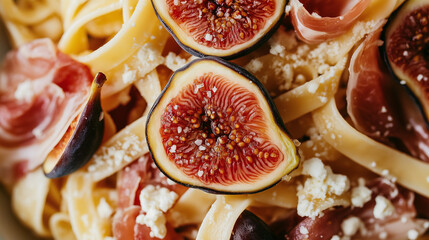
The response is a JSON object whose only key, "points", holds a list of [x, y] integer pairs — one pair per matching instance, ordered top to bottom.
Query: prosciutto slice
{"points": [[316, 21], [41, 91], [379, 107], [131, 181], [395, 226]]}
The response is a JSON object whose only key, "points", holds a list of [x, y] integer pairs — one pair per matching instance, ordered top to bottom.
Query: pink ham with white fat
{"points": [[316, 21], [41, 91], [379, 107]]}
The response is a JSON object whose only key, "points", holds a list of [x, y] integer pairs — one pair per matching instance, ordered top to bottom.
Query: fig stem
{"points": [[100, 79]]}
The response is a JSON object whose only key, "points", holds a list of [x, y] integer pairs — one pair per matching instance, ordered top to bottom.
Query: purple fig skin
{"points": [[243, 52], [391, 68], [262, 90], [86, 137], [250, 227]]}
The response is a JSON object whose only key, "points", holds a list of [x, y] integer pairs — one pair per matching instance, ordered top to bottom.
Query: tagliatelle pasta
{"points": [[347, 186]]}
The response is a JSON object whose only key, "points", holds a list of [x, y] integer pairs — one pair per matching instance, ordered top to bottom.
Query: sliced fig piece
{"points": [[222, 28], [406, 50], [215, 127], [82, 138], [250, 227]]}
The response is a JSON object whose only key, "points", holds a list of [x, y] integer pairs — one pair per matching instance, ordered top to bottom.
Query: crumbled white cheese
{"points": [[174, 62], [255, 65], [129, 76], [312, 87], [25, 92], [119, 153], [322, 190], [360, 195], [155, 201], [383, 207], [104, 210], [351, 225], [303, 230], [412, 234], [382, 235], [335, 237]]}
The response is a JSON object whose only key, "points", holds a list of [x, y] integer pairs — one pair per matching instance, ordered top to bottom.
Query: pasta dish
{"points": [[198, 119]]}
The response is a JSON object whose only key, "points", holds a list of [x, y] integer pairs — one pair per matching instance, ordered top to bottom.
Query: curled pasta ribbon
{"points": [[40, 10], [141, 27], [75, 39], [310, 95], [379, 158], [78, 194], [30, 210], [184, 211], [221, 218], [61, 228]]}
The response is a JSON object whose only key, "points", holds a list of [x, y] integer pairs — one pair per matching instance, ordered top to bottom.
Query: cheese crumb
{"points": [[174, 62], [255, 65], [25, 92], [323, 190], [360, 195], [155, 201], [383, 207], [104, 209], [351, 225], [303, 230], [412, 234], [382, 235]]}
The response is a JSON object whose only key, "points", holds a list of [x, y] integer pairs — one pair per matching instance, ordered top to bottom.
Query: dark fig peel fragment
{"points": [[227, 28], [406, 50], [215, 127], [82, 138], [250, 227]]}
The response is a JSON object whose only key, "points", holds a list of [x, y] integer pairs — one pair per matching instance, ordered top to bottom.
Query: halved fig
{"points": [[222, 28], [406, 50], [215, 127], [82, 138], [250, 227]]}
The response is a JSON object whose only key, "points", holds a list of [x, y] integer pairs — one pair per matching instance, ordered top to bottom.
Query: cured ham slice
{"points": [[316, 21], [41, 91], [379, 107], [131, 181], [394, 226]]}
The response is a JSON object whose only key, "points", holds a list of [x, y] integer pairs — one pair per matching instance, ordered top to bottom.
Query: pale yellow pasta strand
{"points": [[128, 8], [380, 9], [69, 10], [10, 11], [141, 28], [19, 33], [75, 35], [150, 88], [311, 95], [119, 151], [379, 158], [282, 195], [81, 208], [30, 209], [185, 212], [221, 218], [60, 226]]}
